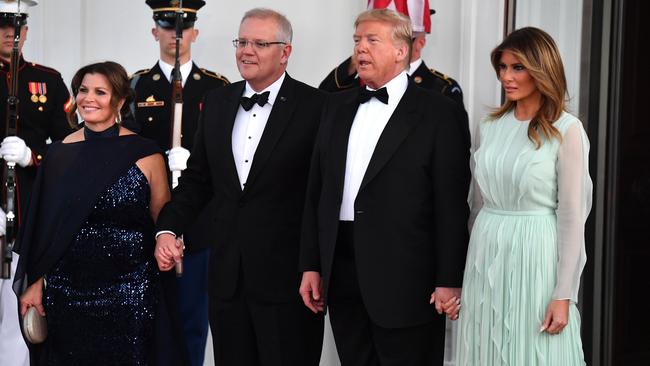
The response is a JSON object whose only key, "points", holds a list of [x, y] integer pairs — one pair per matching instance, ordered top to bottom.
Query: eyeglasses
{"points": [[257, 44]]}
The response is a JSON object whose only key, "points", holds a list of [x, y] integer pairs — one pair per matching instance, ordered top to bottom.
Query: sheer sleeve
{"points": [[474, 198], [574, 204]]}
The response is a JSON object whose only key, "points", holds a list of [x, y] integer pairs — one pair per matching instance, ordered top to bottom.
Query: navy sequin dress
{"points": [[101, 296]]}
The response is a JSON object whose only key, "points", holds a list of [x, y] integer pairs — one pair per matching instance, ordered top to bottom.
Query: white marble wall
{"points": [[67, 34]]}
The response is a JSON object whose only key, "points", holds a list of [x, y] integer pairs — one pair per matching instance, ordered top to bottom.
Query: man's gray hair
{"points": [[285, 32]]}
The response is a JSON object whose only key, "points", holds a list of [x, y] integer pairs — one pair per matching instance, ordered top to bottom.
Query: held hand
{"points": [[13, 149], [178, 159], [3, 222], [168, 251], [311, 291], [33, 296], [445, 299], [451, 307], [557, 316]]}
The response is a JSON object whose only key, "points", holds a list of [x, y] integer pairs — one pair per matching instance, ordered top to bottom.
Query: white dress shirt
{"points": [[414, 66], [167, 69], [368, 124], [248, 128]]}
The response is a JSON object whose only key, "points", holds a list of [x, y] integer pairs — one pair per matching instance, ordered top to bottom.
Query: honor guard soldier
{"points": [[345, 76], [43, 100], [153, 109]]}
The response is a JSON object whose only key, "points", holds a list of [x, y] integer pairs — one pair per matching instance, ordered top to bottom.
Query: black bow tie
{"points": [[381, 95], [260, 99]]}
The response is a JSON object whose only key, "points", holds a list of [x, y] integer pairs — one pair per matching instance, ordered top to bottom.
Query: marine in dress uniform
{"points": [[344, 77], [43, 100], [152, 109]]}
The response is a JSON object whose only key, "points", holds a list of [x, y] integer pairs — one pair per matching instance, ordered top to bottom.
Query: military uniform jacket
{"points": [[424, 77], [43, 100], [152, 107]]}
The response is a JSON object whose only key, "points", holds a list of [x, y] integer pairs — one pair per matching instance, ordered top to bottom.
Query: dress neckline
{"points": [[112, 131]]}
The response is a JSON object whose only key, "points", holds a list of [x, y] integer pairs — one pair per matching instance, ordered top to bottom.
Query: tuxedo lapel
{"points": [[228, 109], [281, 112], [342, 123], [398, 127]]}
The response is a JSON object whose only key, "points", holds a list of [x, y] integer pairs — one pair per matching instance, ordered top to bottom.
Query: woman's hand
{"points": [[168, 252], [33, 296], [447, 300], [557, 317]]}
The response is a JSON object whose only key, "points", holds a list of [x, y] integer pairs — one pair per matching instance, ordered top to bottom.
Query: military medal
{"points": [[42, 88], [33, 89], [151, 102]]}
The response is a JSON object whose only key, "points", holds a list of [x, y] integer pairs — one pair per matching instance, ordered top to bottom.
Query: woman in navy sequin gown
{"points": [[89, 236]]}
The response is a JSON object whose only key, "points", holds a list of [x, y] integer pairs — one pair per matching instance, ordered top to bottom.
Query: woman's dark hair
{"points": [[118, 81]]}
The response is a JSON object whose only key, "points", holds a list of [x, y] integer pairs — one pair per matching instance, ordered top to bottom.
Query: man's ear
{"points": [[154, 32], [402, 52]]}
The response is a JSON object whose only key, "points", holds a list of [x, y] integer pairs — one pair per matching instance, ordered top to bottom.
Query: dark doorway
{"points": [[631, 277]]}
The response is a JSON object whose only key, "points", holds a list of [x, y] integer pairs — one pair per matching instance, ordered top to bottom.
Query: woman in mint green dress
{"points": [[531, 195]]}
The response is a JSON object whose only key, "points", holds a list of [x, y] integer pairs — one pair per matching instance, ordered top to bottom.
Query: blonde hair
{"points": [[402, 30], [538, 53]]}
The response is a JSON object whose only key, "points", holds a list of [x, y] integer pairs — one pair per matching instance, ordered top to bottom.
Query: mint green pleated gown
{"points": [[511, 272]]}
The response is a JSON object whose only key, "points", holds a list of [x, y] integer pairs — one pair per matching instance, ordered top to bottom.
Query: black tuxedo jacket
{"points": [[410, 228], [257, 230]]}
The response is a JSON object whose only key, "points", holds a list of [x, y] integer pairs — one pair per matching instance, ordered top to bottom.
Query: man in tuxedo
{"points": [[251, 155], [385, 222]]}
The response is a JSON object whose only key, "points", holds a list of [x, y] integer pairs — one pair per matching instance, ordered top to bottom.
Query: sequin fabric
{"points": [[101, 297]]}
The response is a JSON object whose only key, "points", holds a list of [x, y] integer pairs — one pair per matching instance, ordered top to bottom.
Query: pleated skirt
{"points": [[509, 278]]}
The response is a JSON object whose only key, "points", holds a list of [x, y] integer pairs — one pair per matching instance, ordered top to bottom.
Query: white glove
{"points": [[13, 149], [178, 159], [3, 222]]}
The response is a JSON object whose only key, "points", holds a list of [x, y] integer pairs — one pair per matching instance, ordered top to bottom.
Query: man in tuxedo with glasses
{"points": [[251, 157]]}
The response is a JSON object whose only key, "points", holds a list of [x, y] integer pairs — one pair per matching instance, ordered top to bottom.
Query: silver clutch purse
{"points": [[34, 326]]}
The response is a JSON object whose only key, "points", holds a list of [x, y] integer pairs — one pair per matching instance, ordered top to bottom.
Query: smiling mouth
{"points": [[246, 62]]}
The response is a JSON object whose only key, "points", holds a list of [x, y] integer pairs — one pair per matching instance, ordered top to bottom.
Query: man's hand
{"points": [[13, 149], [178, 159], [168, 252], [311, 291], [33, 296], [447, 300], [557, 316]]}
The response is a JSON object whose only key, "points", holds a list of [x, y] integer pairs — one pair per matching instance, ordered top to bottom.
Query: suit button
{"points": [[358, 212]]}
